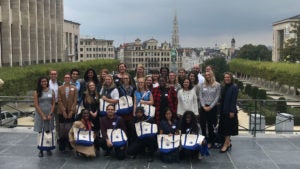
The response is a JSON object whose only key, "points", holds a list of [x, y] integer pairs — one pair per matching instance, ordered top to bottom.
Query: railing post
{"points": [[255, 113]]}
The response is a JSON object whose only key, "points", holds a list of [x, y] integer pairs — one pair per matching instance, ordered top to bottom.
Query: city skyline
{"points": [[202, 23]]}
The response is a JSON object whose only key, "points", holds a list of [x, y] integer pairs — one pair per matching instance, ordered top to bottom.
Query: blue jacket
{"points": [[228, 102]]}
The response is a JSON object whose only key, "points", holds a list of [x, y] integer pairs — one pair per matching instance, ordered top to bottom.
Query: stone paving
{"points": [[18, 151]]}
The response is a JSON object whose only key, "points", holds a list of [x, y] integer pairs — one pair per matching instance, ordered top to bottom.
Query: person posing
{"points": [[122, 70], [140, 72], [164, 72], [90, 75], [102, 75], [181, 76], [155, 77], [74, 81], [173, 81], [149, 83], [196, 86], [109, 91], [141, 95], [164, 97], [209, 97], [187, 99], [67, 101], [44, 102], [91, 103], [111, 121], [83, 122], [228, 124], [169, 125], [189, 126], [140, 144]]}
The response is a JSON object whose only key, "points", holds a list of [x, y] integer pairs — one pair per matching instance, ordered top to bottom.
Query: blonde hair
{"points": [[212, 81]]}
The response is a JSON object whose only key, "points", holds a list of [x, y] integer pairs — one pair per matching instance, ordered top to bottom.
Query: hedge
{"points": [[283, 73], [19, 80]]}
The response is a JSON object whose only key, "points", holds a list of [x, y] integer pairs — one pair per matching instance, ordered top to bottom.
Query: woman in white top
{"points": [[109, 91], [209, 97], [187, 99]]}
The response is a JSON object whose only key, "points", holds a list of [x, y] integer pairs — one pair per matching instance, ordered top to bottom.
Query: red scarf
{"points": [[87, 124]]}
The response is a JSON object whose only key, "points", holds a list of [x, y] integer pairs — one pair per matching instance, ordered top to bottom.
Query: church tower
{"points": [[175, 34], [232, 49]]}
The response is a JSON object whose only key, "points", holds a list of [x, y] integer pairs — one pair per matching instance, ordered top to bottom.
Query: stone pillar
{"points": [[59, 25], [47, 28], [41, 31], [53, 31], [25, 32], [33, 32], [6, 33], [16, 33]]}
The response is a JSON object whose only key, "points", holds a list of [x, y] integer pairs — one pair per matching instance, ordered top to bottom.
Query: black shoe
{"points": [[227, 149], [49, 153], [107, 153], [41, 154]]}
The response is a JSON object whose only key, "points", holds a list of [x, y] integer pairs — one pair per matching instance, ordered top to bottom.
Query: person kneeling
{"points": [[81, 128], [113, 133]]}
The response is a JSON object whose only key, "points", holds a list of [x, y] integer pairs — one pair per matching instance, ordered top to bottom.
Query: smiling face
{"points": [[122, 68], [192, 77], [227, 79], [108, 80], [44, 83], [141, 83], [186, 84], [91, 86], [110, 110], [168, 115]]}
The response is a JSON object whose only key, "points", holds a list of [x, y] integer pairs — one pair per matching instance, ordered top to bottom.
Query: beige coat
{"points": [[65, 104], [86, 150]]}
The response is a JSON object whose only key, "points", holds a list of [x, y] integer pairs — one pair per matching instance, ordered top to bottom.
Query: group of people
{"points": [[185, 102]]}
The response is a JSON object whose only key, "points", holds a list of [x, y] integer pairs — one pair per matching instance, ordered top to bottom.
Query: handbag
{"points": [[125, 105], [102, 107], [149, 110], [145, 129], [117, 136], [83, 137], [45, 140], [191, 141], [168, 143]]}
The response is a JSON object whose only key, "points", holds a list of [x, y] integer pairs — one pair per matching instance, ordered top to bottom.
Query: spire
{"points": [[175, 34]]}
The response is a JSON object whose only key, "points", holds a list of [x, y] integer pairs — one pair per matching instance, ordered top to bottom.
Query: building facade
{"points": [[282, 31], [31, 32], [71, 41], [92, 48], [149, 54]]}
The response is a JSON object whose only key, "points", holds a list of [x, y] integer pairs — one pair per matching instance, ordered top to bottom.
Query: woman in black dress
{"points": [[228, 124]]}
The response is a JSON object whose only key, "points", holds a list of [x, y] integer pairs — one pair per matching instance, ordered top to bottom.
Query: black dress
{"points": [[228, 126]]}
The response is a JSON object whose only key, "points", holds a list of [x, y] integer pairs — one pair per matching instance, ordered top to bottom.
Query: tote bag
{"points": [[125, 105], [102, 107], [149, 110], [145, 129], [83, 137], [117, 137], [46, 140], [191, 141], [168, 143]]}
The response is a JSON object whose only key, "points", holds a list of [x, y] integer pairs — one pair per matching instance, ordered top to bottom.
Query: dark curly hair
{"points": [[39, 88], [193, 125]]}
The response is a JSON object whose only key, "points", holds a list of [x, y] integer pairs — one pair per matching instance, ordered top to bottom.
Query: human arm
{"points": [[37, 106]]}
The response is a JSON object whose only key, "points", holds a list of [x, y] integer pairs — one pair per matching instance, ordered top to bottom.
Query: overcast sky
{"points": [[202, 23]]}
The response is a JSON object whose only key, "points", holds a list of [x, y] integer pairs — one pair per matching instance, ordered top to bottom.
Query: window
{"points": [[81, 49]]}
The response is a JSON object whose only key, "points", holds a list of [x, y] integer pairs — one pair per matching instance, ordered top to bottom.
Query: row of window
{"points": [[101, 42], [97, 49], [151, 53], [97, 55], [150, 59], [150, 65]]}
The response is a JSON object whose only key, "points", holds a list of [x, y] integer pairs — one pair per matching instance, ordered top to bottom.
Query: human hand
{"points": [[231, 115]]}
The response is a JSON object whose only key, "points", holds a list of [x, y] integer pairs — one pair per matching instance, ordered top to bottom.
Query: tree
{"points": [[291, 50], [252, 52], [219, 65]]}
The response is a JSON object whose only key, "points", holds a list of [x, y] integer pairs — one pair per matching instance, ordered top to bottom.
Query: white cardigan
{"points": [[187, 100]]}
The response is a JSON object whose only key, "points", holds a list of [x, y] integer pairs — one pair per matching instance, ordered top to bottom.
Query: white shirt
{"points": [[200, 78], [54, 87], [187, 100]]}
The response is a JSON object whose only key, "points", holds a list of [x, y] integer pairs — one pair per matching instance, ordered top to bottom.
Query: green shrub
{"points": [[19, 80], [248, 89], [253, 92], [261, 94], [281, 105]]}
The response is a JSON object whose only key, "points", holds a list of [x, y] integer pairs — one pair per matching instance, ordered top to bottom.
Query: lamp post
{"points": [[173, 60]]}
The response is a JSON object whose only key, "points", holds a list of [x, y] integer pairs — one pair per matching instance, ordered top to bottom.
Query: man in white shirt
{"points": [[200, 77]]}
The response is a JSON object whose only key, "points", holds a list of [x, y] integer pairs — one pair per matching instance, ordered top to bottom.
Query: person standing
{"points": [[197, 69], [74, 81], [53, 85], [141, 95], [164, 97], [209, 97], [187, 99], [67, 101], [44, 102], [228, 124]]}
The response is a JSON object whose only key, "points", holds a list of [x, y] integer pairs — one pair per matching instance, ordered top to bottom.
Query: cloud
{"points": [[201, 22]]}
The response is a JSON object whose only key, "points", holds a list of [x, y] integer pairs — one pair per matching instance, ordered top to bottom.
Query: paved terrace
{"points": [[18, 151]]}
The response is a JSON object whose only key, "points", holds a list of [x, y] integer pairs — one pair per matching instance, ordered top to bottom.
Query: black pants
{"points": [[207, 121], [139, 146], [119, 151], [188, 154]]}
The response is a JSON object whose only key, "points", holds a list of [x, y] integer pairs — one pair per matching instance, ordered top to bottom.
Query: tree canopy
{"points": [[291, 50], [253, 52]]}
